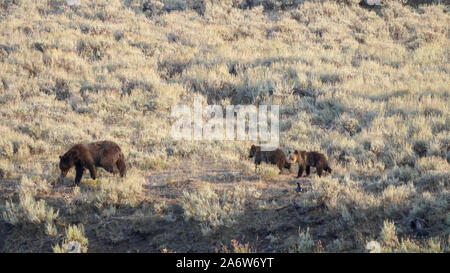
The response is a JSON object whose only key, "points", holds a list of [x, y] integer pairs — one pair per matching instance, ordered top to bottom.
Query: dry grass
{"points": [[367, 88], [214, 210], [73, 234]]}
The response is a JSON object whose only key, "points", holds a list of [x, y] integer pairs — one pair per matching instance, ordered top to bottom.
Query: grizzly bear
{"points": [[105, 154], [277, 157], [307, 159]]}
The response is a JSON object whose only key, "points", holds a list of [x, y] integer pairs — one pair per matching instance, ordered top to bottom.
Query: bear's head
{"points": [[254, 150], [294, 157], [66, 162]]}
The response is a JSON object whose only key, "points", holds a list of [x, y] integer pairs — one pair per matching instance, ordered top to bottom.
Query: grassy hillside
{"points": [[368, 88]]}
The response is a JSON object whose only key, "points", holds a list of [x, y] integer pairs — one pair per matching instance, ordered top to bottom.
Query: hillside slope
{"points": [[368, 88]]}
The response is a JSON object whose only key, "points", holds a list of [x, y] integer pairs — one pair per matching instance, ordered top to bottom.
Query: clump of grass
{"points": [[152, 8], [92, 49], [349, 125], [6, 148], [421, 148], [408, 160], [432, 163], [154, 164], [6, 169], [266, 171], [400, 175], [433, 181], [34, 185], [112, 191], [339, 196], [397, 198], [28, 210], [214, 210], [50, 229], [389, 236], [74, 242], [304, 242], [391, 242], [237, 247]]}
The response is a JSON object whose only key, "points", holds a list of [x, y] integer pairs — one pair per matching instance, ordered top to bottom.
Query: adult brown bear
{"points": [[105, 154], [277, 157], [307, 159]]}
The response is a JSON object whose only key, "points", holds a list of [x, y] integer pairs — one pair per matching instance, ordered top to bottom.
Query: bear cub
{"points": [[105, 154], [276, 157], [306, 160]]}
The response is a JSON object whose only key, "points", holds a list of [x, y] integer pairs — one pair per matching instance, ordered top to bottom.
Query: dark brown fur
{"points": [[105, 154], [276, 157], [306, 160]]}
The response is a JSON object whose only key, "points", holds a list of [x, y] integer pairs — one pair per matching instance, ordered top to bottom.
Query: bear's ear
{"points": [[60, 157]]}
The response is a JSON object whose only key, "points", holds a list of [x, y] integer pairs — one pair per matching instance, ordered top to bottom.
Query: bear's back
{"points": [[104, 146], [77, 150], [102, 150], [278, 156], [316, 157]]}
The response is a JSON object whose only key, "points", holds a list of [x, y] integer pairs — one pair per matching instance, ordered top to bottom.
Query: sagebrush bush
{"points": [[113, 191], [28, 210], [213, 210], [389, 236], [75, 241], [391, 242], [304, 243], [237, 247]]}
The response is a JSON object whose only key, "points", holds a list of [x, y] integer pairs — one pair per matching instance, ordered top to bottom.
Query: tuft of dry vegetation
{"points": [[367, 87], [212, 210], [75, 241]]}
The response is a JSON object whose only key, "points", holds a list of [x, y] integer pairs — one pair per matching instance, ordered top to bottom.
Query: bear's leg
{"points": [[257, 163], [90, 165], [280, 166], [288, 166], [122, 167], [300, 170], [308, 170], [93, 171], [319, 171], [79, 173]]}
